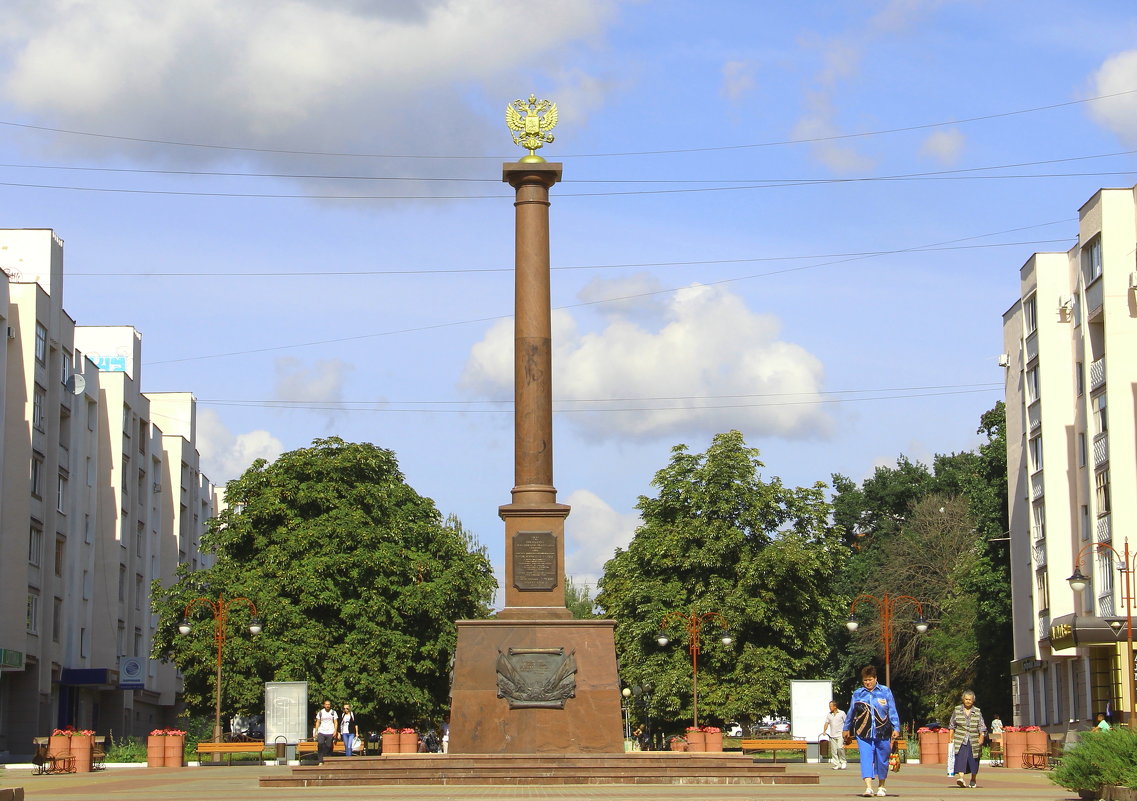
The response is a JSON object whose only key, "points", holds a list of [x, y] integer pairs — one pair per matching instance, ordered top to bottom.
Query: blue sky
{"points": [[749, 228]]}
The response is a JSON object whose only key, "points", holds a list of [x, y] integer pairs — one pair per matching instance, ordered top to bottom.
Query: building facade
{"points": [[1070, 345], [97, 500]]}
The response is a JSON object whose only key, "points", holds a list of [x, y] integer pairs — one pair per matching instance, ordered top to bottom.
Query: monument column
{"points": [[534, 521], [533, 680]]}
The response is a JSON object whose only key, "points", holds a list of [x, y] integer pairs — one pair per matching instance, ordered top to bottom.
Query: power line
{"points": [[774, 143], [496, 181], [478, 270], [436, 326], [378, 407]]}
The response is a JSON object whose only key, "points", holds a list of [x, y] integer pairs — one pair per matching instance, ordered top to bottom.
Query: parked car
{"points": [[733, 730]]}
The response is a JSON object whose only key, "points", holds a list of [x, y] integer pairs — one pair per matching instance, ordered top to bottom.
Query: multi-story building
{"points": [[1071, 387], [85, 524]]}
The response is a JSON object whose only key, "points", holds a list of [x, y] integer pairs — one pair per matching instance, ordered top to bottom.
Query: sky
{"points": [[802, 221]]}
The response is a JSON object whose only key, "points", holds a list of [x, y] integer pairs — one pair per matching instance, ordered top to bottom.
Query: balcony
{"points": [[1097, 373], [1034, 415], [1101, 449], [1036, 486], [1104, 532], [1040, 553], [1105, 605]]}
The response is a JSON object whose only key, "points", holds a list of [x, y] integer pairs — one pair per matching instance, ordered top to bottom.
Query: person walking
{"points": [[326, 720], [874, 721], [349, 730], [835, 732], [968, 732]]}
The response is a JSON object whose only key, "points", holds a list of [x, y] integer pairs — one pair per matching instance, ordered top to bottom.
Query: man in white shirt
{"points": [[326, 720], [834, 730]]}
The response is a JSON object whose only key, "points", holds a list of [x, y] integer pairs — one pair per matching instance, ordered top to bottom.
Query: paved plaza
{"points": [[240, 784]]}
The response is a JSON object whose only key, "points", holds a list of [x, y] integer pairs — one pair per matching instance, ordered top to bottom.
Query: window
{"points": [[1091, 259], [1030, 314], [41, 343], [65, 367], [1080, 378], [1032, 384], [39, 400], [1101, 418], [126, 420], [1036, 453], [1082, 453], [37, 475], [1101, 481], [61, 494], [1039, 521], [1085, 522], [87, 529], [140, 540], [35, 544], [60, 553], [122, 582], [87, 584], [1042, 586], [138, 591], [33, 612], [56, 618], [120, 639], [138, 642], [84, 643]]}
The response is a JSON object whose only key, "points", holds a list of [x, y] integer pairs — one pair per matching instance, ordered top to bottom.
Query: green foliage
{"points": [[896, 530], [717, 538], [357, 580], [579, 600], [126, 749], [1099, 758]]}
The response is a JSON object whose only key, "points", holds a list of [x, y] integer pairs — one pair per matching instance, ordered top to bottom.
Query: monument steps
{"points": [[521, 769]]}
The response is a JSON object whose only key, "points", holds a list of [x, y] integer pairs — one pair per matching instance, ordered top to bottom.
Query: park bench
{"points": [[774, 746], [311, 747], [228, 749], [44, 763]]}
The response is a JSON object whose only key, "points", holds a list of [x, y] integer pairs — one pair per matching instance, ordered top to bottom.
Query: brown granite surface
{"points": [[483, 723]]}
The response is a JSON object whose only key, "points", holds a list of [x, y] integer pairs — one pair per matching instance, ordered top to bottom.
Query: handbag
{"points": [[894, 757]]}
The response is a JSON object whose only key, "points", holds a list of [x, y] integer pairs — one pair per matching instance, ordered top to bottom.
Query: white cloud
{"points": [[360, 75], [737, 79], [1117, 114], [819, 123], [944, 146], [707, 364], [321, 383], [225, 456], [593, 532]]}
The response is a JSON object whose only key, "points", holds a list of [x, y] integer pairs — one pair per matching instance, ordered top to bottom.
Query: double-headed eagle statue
{"points": [[531, 122]]}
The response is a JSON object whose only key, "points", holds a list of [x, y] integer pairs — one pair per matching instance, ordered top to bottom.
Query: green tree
{"points": [[891, 525], [719, 538], [357, 578], [579, 600]]}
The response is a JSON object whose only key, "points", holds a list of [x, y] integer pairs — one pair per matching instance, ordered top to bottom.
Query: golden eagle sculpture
{"points": [[531, 122]]}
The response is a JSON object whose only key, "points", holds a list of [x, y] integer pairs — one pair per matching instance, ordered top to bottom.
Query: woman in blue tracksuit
{"points": [[875, 722]]}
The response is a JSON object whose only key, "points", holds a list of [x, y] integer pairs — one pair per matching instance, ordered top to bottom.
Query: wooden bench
{"points": [[774, 746], [311, 747], [228, 749]]}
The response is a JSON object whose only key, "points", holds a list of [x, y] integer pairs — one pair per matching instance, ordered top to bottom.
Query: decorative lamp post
{"points": [[1078, 582], [887, 605], [220, 612], [693, 621]]}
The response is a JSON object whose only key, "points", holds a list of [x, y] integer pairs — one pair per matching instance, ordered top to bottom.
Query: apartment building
{"points": [[1070, 345], [85, 512]]}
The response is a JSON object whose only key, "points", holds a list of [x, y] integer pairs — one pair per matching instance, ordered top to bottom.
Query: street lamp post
{"points": [[1078, 583], [887, 604], [220, 612], [693, 621]]}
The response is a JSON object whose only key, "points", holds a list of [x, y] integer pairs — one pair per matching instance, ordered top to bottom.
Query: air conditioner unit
{"points": [[1065, 307], [11, 332], [1004, 360]]}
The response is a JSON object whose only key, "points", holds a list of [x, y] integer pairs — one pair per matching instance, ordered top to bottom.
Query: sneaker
{"points": [[960, 782], [972, 785], [880, 792], [868, 793]]}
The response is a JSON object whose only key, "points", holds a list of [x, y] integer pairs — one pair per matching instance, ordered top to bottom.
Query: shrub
{"points": [[126, 749], [1100, 758]]}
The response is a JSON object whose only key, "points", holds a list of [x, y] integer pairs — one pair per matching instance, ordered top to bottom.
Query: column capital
{"points": [[520, 173]]}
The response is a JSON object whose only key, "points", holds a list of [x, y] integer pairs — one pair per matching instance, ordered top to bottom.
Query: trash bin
{"points": [[281, 750]]}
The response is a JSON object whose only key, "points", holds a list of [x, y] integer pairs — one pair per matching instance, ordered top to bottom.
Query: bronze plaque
{"points": [[534, 561], [536, 677]]}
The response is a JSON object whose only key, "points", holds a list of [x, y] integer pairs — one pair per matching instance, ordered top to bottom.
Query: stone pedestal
{"points": [[481, 722]]}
